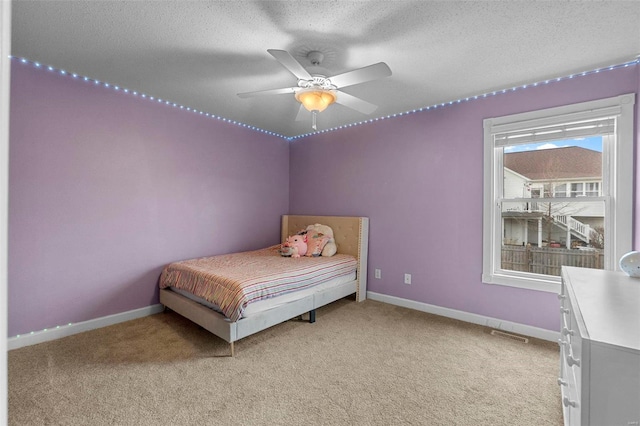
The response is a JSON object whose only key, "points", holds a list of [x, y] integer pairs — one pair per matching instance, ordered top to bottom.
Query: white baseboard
{"points": [[513, 327], [46, 335]]}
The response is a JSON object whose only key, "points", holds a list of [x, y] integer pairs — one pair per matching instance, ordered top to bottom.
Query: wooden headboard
{"points": [[351, 235]]}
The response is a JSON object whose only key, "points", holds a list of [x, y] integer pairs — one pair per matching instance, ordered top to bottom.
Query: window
{"points": [[576, 162], [592, 189], [560, 190], [577, 190]]}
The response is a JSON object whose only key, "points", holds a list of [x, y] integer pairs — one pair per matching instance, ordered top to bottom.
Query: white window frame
{"points": [[617, 178]]}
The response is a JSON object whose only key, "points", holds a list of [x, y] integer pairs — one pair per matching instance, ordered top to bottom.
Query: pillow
{"points": [[315, 242]]}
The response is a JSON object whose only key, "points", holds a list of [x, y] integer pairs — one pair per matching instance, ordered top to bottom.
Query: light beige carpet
{"points": [[360, 364]]}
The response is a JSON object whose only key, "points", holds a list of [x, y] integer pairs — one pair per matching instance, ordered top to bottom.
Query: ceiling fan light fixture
{"points": [[316, 100]]}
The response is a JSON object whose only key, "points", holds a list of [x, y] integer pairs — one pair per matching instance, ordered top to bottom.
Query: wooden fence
{"points": [[549, 261]]}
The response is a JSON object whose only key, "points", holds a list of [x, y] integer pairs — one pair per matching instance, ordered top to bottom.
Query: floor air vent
{"points": [[510, 336]]}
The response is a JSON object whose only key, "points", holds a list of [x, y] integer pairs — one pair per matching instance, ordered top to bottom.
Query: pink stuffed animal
{"points": [[297, 244]]}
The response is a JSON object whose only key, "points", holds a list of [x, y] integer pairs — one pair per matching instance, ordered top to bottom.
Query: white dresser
{"points": [[600, 348]]}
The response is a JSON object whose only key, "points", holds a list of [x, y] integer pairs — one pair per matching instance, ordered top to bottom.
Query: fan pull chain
{"points": [[314, 115]]}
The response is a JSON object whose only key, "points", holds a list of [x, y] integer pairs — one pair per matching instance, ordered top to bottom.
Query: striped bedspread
{"points": [[232, 281]]}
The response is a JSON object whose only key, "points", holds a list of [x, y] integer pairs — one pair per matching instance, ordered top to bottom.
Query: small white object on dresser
{"points": [[599, 347]]}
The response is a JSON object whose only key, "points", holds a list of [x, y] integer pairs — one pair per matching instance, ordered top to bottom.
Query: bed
{"points": [[231, 320]]}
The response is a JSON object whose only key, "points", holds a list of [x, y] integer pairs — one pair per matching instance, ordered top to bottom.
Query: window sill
{"points": [[539, 284]]}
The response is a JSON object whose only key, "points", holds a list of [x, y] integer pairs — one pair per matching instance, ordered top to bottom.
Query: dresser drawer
{"points": [[565, 314], [570, 333], [600, 348], [574, 358], [574, 372], [568, 390]]}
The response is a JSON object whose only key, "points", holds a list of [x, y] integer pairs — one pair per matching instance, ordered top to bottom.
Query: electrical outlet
{"points": [[378, 273], [407, 278]]}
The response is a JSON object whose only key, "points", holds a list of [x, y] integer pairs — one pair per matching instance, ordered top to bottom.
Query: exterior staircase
{"points": [[578, 229]]}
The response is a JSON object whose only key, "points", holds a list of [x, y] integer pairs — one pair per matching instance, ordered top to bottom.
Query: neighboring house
{"points": [[568, 172]]}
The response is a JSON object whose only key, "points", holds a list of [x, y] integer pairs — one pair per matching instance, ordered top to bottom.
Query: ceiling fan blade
{"points": [[290, 63], [360, 75], [284, 90], [357, 104]]}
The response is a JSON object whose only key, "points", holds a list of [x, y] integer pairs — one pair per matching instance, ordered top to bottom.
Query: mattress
{"points": [[234, 281], [274, 302]]}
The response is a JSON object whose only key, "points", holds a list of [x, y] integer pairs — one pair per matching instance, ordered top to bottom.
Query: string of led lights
{"points": [[139, 94], [471, 98], [344, 126], [291, 138], [33, 333]]}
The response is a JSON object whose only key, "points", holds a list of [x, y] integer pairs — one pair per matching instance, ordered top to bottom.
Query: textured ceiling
{"points": [[200, 54]]}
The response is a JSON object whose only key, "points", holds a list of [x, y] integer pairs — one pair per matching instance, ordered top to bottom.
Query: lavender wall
{"points": [[419, 180], [106, 188]]}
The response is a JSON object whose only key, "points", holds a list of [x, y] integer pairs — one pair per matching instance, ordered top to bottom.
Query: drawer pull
{"points": [[562, 296], [564, 310], [566, 331], [571, 361], [562, 382], [567, 402]]}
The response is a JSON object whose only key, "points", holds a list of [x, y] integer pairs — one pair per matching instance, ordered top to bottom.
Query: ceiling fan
{"points": [[316, 92]]}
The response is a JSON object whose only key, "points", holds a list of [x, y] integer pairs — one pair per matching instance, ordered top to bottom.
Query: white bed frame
{"points": [[352, 237]]}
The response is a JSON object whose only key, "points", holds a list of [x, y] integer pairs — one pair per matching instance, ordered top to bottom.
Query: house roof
{"points": [[558, 163]]}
